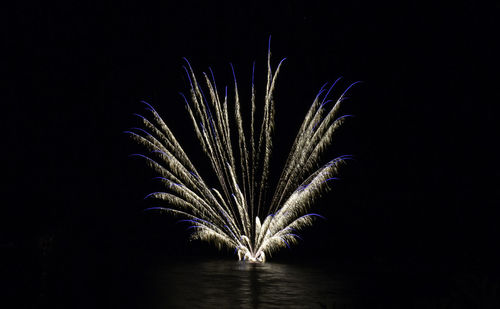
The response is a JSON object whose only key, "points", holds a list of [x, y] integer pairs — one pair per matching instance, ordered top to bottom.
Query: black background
{"points": [[421, 194]]}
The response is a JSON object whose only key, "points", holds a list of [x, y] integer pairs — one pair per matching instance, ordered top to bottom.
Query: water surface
{"points": [[232, 284]]}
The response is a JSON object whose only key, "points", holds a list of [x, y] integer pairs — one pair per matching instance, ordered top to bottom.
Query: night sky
{"points": [[421, 193]]}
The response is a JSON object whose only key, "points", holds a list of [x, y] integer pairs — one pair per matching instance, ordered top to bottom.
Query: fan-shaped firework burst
{"points": [[236, 214]]}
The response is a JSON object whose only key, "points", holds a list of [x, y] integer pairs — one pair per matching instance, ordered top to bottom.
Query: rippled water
{"points": [[152, 280], [157, 283], [232, 284]]}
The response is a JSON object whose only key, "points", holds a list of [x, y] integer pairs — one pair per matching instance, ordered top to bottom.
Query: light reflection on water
{"points": [[153, 282], [232, 284]]}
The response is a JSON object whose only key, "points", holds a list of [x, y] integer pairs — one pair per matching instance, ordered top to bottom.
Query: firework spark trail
{"points": [[231, 216]]}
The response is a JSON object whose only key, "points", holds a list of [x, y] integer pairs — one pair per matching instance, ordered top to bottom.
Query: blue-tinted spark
{"points": [[350, 87], [330, 89], [185, 100], [150, 107], [154, 193], [157, 208], [313, 214], [286, 243]]}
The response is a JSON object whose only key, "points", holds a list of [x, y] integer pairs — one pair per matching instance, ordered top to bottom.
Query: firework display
{"points": [[237, 212]]}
